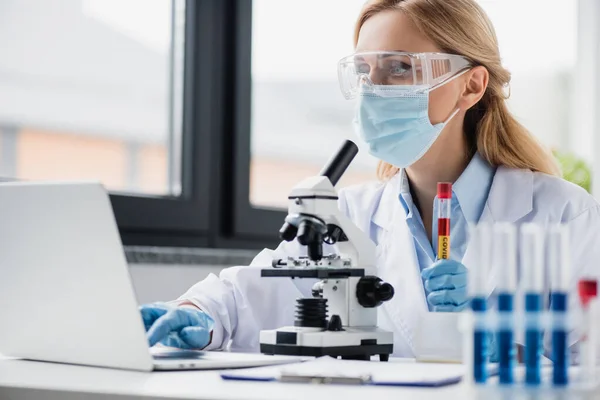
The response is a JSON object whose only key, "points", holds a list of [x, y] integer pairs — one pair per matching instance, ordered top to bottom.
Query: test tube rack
{"points": [[518, 323], [579, 378]]}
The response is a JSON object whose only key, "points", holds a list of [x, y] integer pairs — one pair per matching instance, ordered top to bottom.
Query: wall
{"points": [[154, 282]]}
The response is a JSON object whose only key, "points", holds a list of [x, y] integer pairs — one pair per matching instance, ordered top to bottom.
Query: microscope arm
{"points": [[359, 247]]}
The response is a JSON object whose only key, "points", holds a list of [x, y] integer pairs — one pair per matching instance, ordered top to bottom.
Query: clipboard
{"points": [[330, 371]]}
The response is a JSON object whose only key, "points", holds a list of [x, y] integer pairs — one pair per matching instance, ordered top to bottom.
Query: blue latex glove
{"points": [[446, 286], [180, 327]]}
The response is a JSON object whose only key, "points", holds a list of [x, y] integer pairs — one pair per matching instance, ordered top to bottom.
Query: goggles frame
{"points": [[429, 70]]}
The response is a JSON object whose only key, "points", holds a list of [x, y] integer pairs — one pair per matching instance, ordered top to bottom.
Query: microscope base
{"points": [[351, 343]]}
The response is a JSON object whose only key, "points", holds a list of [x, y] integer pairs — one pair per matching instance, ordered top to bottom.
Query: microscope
{"points": [[340, 320]]}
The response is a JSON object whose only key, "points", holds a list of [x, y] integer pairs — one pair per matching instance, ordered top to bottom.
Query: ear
{"points": [[475, 85]]}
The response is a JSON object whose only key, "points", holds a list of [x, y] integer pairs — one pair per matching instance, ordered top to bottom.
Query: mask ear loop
{"points": [[442, 84], [451, 116]]}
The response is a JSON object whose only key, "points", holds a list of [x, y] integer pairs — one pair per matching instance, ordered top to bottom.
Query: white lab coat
{"points": [[242, 303]]}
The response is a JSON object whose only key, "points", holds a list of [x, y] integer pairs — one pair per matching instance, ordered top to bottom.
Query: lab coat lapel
{"points": [[510, 199], [470, 258], [398, 266]]}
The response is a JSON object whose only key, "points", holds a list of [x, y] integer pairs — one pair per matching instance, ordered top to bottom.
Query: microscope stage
{"points": [[318, 273]]}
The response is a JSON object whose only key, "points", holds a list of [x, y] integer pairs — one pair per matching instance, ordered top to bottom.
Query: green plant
{"points": [[574, 169]]}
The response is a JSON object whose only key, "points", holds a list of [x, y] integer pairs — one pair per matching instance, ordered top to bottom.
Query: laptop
{"points": [[65, 291]]}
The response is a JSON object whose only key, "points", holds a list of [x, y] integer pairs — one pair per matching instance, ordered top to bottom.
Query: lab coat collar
{"points": [[472, 188], [404, 191], [510, 197], [383, 214]]}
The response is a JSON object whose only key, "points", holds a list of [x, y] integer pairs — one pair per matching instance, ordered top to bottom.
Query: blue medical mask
{"points": [[394, 122]]}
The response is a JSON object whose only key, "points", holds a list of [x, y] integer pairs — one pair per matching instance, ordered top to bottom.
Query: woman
{"points": [[437, 114]]}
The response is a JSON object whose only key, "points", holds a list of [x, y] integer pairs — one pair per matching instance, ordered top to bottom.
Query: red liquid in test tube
{"points": [[444, 199]]}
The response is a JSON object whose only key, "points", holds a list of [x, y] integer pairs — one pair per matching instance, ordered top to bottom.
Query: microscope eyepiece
{"points": [[337, 165]]}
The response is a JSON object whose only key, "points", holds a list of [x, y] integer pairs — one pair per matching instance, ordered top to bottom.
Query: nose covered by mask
{"points": [[394, 122]]}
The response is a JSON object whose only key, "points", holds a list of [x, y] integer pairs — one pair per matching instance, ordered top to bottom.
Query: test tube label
{"points": [[444, 238]]}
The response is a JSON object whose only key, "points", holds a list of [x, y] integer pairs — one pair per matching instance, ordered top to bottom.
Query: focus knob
{"points": [[371, 291], [385, 291]]}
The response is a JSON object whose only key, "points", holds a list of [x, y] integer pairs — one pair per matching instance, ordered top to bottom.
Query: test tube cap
{"points": [[444, 190], [588, 290]]}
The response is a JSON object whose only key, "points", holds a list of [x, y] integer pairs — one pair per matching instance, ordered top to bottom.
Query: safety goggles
{"points": [[418, 72]]}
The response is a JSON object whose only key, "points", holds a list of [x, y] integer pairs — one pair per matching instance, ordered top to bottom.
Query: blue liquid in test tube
{"points": [[558, 261], [505, 265], [532, 272], [478, 292], [480, 339], [505, 339], [533, 339], [560, 351]]}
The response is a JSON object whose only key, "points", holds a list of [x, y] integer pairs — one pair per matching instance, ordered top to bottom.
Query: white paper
{"points": [[438, 338], [394, 371]]}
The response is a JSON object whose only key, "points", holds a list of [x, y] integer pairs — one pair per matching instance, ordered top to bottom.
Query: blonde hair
{"points": [[462, 27]]}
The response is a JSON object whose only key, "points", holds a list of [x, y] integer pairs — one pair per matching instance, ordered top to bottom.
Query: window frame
{"points": [[215, 208], [184, 220], [259, 222]]}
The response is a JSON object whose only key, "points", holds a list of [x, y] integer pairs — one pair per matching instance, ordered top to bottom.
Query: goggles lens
{"points": [[362, 71]]}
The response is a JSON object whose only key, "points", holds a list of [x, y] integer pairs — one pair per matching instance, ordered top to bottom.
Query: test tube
{"points": [[444, 199], [504, 259], [559, 265], [532, 273], [477, 288], [588, 292]]}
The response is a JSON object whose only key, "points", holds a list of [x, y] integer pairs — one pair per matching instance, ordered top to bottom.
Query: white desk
{"points": [[36, 380]]}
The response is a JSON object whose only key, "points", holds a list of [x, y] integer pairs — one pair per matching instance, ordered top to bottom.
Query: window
{"points": [[542, 63], [554, 86], [92, 89], [105, 90], [200, 116], [292, 116], [299, 116]]}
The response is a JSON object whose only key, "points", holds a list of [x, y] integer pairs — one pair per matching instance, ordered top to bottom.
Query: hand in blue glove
{"points": [[446, 286], [180, 327]]}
